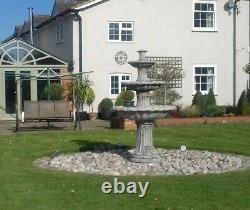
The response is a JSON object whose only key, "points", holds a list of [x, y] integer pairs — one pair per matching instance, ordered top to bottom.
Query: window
{"points": [[204, 16], [121, 31], [59, 33], [37, 40], [204, 78], [43, 82], [116, 85], [25, 87], [10, 92]]}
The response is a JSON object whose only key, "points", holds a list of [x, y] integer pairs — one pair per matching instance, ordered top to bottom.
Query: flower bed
{"points": [[201, 120], [130, 124]]}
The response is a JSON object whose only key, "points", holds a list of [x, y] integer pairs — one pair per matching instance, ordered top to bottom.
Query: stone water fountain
{"points": [[144, 113], [144, 159]]}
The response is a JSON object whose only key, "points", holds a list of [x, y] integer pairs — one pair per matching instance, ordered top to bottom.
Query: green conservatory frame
{"points": [[19, 59]]}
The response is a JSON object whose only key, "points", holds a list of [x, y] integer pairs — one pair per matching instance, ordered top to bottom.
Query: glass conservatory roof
{"points": [[18, 53]]}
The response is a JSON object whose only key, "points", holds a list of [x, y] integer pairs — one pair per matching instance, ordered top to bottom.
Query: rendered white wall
{"points": [[164, 28]]}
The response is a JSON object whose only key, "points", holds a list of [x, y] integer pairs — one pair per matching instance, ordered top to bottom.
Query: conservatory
{"points": [[21, 67]]}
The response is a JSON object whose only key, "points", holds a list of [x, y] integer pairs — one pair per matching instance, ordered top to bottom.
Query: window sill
{"points": [[205, 30], [61, 42], [121, 42], [206, 94]]}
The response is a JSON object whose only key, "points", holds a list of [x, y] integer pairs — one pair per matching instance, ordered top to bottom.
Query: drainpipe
{"points": [[79, 19], [31, 24], [234, 52]]}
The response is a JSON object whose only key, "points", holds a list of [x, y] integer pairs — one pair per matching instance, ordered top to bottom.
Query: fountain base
{"points": [[145, 151]]}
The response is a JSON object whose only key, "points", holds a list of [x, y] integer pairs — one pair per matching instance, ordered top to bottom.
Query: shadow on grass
{"points": [[86, 145]]}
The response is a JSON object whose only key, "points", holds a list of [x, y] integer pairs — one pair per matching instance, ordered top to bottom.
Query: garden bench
{"points": [[47, 111]]}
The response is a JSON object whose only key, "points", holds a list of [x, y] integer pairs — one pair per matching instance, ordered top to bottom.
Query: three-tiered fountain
{"points": [[144, 113]]}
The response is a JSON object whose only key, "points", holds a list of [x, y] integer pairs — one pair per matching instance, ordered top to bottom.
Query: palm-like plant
{"points": [[81, 93]]}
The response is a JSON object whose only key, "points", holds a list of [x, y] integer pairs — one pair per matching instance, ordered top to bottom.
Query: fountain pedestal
{"points": [[144, 113], [144, 151]]}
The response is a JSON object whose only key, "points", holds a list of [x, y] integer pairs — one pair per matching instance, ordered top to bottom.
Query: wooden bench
{"points": [[47, 111]]}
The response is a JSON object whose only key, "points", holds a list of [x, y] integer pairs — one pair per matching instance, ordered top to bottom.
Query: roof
{"points": [[63, 5], [61, 8]]}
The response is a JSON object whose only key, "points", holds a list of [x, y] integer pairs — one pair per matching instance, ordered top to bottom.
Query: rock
{"points": [[116, 162]]}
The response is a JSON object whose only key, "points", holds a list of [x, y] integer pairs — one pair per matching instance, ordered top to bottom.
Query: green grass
{"points": [[25, 187]]}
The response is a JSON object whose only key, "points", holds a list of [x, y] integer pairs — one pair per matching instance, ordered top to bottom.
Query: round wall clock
{"points": [[121, 58]]}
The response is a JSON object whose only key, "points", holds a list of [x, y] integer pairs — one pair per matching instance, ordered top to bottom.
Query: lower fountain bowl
{"points": [[146, 114]]}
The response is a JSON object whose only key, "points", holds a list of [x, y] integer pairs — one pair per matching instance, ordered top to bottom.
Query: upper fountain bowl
{"points": [[142, 63]]}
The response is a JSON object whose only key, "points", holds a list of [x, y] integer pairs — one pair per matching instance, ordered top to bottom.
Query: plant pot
{"points": [[129, 103], [92, 116]]}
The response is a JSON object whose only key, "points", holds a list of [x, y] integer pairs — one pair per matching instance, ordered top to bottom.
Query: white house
{"points": [[101, 35]]}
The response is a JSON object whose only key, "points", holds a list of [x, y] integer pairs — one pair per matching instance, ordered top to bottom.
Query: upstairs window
{"points": [[204, 16], [121, 31], [59, 33]]}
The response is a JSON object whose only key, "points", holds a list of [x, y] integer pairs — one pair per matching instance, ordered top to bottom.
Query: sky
{"points": [[14, 12]]}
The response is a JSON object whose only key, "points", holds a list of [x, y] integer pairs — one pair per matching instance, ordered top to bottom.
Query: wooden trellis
{"points": [[175, 62]]}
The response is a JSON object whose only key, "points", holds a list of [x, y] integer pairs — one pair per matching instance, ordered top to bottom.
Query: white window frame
{"points": [[215, 16], [120, 30], [59, 33], [36, 40], [119, 75], [215, 77]]}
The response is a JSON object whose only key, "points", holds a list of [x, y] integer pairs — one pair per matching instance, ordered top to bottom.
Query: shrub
{"points": [[53, 92], [248, 95], [125, 96], [90, 99], [210, 100], [199, 101], [243, 107], [104, 108], [231, 109], [192, 111], [215, 111]]}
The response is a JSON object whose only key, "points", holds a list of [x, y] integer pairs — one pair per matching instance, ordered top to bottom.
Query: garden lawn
{"points": [[25, 187]]}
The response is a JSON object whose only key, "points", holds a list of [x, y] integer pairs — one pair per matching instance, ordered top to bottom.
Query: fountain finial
{"points": [[142, 55]]}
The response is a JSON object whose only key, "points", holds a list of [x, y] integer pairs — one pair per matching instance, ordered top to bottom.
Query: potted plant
{"points": [[125, 99], [89, 101]]}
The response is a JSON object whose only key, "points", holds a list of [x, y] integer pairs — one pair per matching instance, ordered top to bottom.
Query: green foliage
{"points": [[247, 68], [166, 73], [81, 89], [53, 92], [170, 95], [248, 95], [124, 96], [90, 98], [210, 99], [199, 101], [243, 106], [104, 108], [231, 109], [192, 111], [215, 111]]}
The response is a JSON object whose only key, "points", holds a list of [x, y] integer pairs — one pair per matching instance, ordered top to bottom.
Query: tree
{"points": [[169, 74], [211, 100], [199, 101], [243, 106]]}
